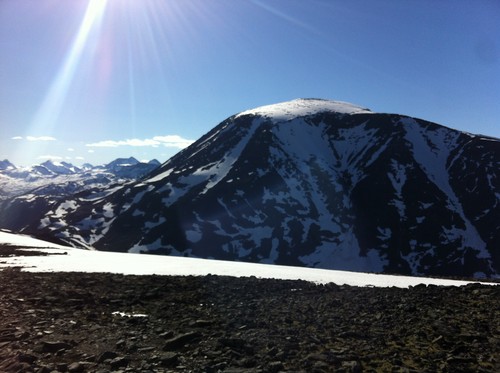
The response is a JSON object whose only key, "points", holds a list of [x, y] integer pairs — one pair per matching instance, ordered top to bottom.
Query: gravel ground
{"points": [[84, 322]]}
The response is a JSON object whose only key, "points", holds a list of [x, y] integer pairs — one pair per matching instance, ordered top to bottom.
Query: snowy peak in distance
{"points": [[304, 107], [121, 162], [154, 162], [6, 165], [125, 167], [130, 167], [60, 168], [63, 179]]}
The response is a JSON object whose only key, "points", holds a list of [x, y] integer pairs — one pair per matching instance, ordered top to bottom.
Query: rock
{"points": [[200, 323], [242, 325], [168, 334], [180, 341], [234, 343], [120, 344], [53, 347], [142, 350], [106, 355], [26, 358], [169, 359], [119, 362], [13, 365], [321, 366], [353, 366], [62, 367], [76, 367], [275, 367], [44, 369]]}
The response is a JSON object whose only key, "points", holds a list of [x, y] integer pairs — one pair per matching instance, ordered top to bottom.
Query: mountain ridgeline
{"points": [[308, 183]]}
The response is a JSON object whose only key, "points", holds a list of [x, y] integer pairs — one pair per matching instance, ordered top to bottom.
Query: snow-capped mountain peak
{"points": [[303, 107], [123, 162], [6, 165], [60, 168]]}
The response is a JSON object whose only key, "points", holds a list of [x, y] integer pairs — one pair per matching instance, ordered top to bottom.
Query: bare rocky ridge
{"points": [[80, 322]]}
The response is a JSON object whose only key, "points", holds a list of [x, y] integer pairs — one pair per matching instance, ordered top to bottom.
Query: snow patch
{"points": [[64, 207], [194, 235], [26, 241]]}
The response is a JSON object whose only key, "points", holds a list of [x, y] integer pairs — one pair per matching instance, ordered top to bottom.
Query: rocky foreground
{"points": [[80, 322]]}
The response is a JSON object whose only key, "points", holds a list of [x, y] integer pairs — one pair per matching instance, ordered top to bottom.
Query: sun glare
{"points": [[121, 52], [52, 105]]}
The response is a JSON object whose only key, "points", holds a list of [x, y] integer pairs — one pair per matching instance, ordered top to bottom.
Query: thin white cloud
{"points": [[17, 138], [40, 138], [170, 141], [173, 141], [128, 142], [70, 150]]}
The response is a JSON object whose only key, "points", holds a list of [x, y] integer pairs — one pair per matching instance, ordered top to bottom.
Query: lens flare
{"points": [[119, 71], [53, 103]]}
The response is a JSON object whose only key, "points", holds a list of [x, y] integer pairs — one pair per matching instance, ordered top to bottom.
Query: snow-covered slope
{"points": [[312, 183], [27, 194], [20, 240], [75, 260]]}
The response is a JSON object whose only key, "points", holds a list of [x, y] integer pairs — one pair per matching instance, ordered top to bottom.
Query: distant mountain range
{"points": [[121, 167], [62, 179], [308, 182]]}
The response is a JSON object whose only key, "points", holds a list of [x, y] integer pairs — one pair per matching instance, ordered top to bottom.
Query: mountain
{"points": [[154, 162], [120, 163], [6, 165], [122, 167], [56, 168], [131, 168], [308, 182], [45, 184]]}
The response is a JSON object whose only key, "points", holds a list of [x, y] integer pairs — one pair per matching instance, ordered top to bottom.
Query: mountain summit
{"points": [[304, 107], [310, 183]]}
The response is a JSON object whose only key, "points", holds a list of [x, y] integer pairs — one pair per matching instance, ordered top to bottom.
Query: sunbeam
{"points": [[280, 14], [50, 110]]}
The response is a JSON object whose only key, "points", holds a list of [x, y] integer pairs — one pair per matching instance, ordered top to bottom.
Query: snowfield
{"points": [[68, 259]]}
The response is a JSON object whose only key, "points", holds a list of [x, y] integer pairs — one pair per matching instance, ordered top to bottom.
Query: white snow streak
{"points": [[431, 149]]}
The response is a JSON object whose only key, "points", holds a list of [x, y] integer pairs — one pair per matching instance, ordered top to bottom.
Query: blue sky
{"points": [[89, 81]]}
